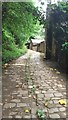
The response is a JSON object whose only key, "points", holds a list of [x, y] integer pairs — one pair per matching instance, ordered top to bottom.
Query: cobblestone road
{"points": [[29, 84]]}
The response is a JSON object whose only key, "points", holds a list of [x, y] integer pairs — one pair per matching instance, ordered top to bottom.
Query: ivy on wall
{"points": [[57, 30]]}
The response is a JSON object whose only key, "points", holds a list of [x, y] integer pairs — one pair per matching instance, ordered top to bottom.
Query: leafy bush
{"points": [[19, 23], [65, 48], [9, 49], [8, 55]]}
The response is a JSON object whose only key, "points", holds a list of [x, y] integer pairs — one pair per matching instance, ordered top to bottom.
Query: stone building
{"points": [[37, 45]]}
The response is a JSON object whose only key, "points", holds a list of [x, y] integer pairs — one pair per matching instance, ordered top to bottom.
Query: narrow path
{"points": [[28, 83]]}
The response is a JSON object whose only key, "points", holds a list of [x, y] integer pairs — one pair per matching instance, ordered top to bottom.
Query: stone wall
{"points": [[39, 47], [53, 52]]}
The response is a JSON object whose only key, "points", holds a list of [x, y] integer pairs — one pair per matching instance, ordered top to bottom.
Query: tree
{"points": [[19, 23], [57, 31]]}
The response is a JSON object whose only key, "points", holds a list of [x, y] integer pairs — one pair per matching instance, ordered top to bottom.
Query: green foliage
{"points": [[57, 16], [19, 20], [57, 22], [19, 23], [57, 31], [9, 48], [65, 48], [9, 55], [41, 114]]}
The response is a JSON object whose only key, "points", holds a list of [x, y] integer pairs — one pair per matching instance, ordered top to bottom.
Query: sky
{"points": [[38, 4]]}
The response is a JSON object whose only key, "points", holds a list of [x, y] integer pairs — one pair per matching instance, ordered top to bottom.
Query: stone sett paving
{"points": [[18, 95]]}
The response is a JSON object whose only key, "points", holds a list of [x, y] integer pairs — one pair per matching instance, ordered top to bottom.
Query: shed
{"points": [[37, 45]]}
